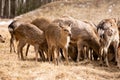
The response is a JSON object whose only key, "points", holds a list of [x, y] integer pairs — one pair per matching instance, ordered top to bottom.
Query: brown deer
{"points": [[42, 23], [10, 29], [108, 31], [27, 33], [82, 34], [58, 36]]}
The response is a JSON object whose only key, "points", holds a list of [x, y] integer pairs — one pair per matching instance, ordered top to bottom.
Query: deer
{"points": [[42, 23], [27, 33], [82, 34], [109, 35], [58, 37]]}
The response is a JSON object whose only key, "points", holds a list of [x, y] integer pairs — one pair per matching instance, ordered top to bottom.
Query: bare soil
{"points": [[13, 69]]}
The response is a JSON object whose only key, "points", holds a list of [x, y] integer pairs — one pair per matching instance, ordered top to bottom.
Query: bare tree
{"points": [[9, 6], [2, 7], [12, 8]]}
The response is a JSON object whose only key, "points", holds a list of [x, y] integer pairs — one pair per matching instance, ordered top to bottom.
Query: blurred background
{"points": [[12, 8], [94, 10]]}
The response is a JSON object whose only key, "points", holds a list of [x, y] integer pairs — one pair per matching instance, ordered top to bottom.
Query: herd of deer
{"points": [[68, 37]]}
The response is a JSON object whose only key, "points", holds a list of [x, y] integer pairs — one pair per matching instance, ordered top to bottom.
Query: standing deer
{"points": [[42, 23], [108, 31], [27, 33], [82, 34], [58, 36]]}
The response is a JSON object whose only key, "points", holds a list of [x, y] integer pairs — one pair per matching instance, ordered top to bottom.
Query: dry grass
{"points": [[13, 69]]}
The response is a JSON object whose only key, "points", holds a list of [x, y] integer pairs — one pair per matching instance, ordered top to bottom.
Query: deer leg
{"points": [[12, 44], [36, 47], [20, 49], [27, 50], [65, 50], [116, 51], [79, 52], [41, 53], [49, 54], [53, 55], [106, 56], [58, 57]]}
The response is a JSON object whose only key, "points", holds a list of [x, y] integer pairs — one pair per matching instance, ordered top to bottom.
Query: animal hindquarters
{"points": [[11, 28], [12, 46]]}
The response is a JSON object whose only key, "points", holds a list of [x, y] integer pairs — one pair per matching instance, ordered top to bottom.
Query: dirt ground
{"points": [[13, 69]]}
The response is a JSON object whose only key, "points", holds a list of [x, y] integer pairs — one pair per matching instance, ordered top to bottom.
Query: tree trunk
{"points": [[16, 7], [2, 8], [12, 8], [5, 9], [9, 10]]}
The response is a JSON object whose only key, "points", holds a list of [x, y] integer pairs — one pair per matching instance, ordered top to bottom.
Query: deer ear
{"points": [[61, 25]]}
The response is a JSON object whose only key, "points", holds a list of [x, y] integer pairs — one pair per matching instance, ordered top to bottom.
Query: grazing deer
{"points": [[82, 34]]}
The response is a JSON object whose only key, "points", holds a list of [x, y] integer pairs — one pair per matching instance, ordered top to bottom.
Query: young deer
{"points": [[30, 34], [58, 36]]}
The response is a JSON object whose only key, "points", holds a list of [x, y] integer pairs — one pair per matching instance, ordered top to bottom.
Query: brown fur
{"points": [[41, 23], [10, 29], [28, 33], [82, 34], [56, 36], [109, 36], [72, 50], [90, 53], [118, 63]]}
